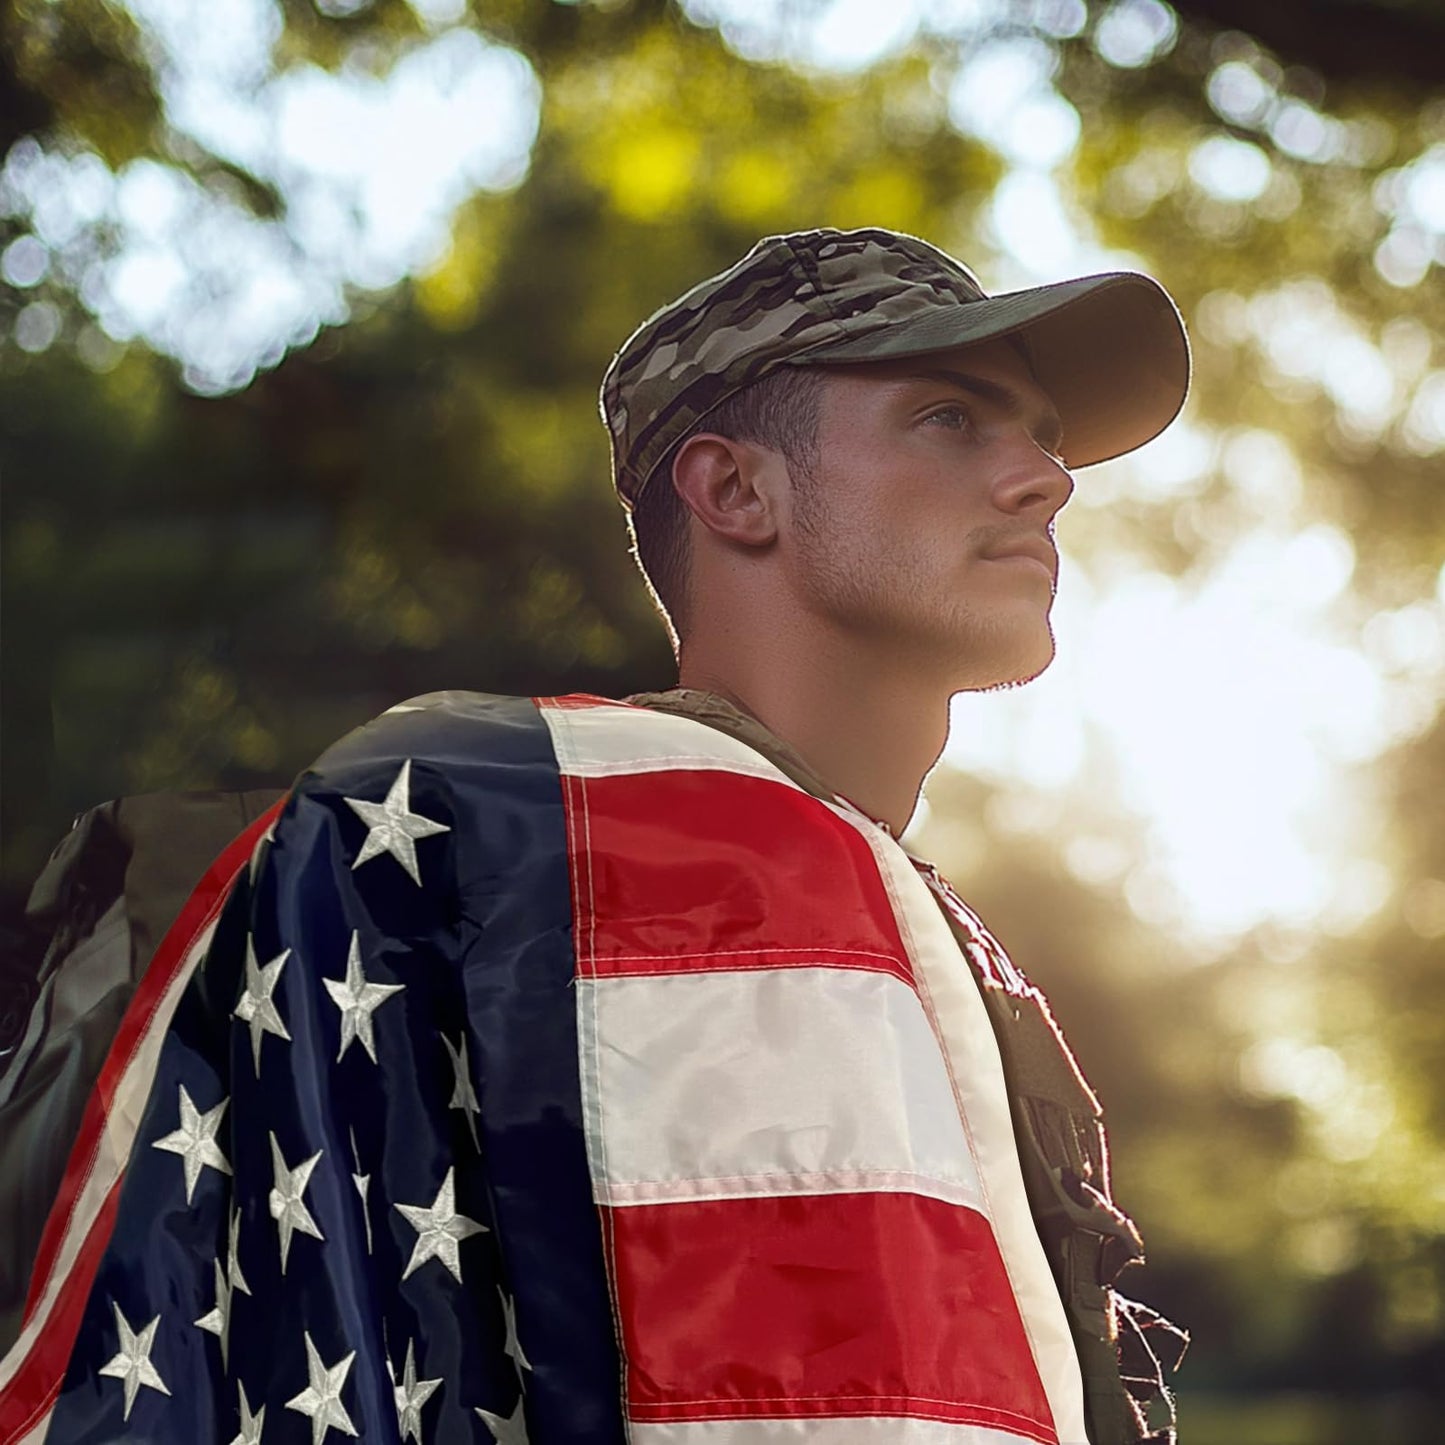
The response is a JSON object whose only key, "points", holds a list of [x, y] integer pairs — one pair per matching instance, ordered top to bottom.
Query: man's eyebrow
{"points": [[1049, 429]]}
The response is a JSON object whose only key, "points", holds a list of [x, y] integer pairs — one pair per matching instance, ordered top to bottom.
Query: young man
{"points": [[578, 1070]]}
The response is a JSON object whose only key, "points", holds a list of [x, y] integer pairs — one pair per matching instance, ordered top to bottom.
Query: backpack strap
{"points": [[1088, 1239]]}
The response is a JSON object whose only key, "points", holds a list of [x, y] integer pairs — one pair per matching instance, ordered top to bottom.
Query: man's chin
{"points": [[1015, 672]]}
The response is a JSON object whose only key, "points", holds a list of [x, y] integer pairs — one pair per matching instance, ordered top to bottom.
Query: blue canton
{"points": [[307, 1245]]}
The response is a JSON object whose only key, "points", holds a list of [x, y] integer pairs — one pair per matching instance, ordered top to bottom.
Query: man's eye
{"points": [[956, 418]]}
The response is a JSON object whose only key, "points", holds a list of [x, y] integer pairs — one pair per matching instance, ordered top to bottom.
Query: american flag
{"points": [[550, 1069]]}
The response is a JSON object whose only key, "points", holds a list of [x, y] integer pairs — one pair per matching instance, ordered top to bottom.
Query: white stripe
{"points": [[602, 740], [597, 742], [947, 983], [721, 1085], [113, 1149], [875, 1430]]}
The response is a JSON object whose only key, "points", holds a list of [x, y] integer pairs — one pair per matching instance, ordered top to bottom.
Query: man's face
{"points": [[920, 477]]}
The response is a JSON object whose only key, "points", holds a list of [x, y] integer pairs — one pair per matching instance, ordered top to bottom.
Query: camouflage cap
{"points": [[1110, 349]]}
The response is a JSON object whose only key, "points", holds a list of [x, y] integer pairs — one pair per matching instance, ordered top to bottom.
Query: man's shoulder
{"points": [[436, 728], [576, 732], [489, 783], [457, 786]]}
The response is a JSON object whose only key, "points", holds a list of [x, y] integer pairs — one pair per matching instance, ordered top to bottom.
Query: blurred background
{"points": [[303, 309]]}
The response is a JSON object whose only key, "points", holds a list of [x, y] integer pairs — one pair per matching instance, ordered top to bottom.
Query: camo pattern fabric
{"points": [[789, 295]]}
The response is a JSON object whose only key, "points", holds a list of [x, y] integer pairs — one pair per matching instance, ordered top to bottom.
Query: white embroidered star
{"points": [[394, 827], [356, 998], [255, 1006], [463, 1095], [195, 1141], [363, 1183], [287, 1207], [440, 1229], [233, 1265], [218, 1320], [513, 1346], [133, 1365], [411, 1395], [321, 1399], [250, 1424], [506, 1429]]}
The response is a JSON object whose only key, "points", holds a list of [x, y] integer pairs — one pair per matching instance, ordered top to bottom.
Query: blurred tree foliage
{"points": [[206, 591]]}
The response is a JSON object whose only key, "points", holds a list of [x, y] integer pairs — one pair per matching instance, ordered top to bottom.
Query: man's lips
{"points": [[1034, 545]]}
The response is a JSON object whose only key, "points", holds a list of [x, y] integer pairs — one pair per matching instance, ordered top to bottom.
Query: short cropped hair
{"points": [[781, 411]]}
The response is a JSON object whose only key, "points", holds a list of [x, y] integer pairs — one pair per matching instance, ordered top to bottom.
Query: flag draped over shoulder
{"points": [[548, 1069]]}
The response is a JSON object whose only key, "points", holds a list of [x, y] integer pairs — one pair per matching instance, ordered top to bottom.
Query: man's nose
{"points": [[1037, 477]]}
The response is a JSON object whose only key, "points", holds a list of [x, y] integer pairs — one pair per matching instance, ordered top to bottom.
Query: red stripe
{"points": [[576, 701], [758, 875], [831, 1305], [841, 1305], [40, 1375], [33, 1390]]}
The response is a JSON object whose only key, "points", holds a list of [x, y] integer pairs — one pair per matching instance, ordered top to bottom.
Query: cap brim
{"points": [[1110, 351]]}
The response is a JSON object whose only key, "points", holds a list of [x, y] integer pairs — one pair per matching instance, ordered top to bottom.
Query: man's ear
{"points": [[734, 488]]}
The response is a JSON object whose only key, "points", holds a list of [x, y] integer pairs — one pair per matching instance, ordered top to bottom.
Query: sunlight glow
{"points": [[1131, 33], [850, 34], [840, 36], [1002, 94], [369, 167], [1232, 170], [1028, 219], [1174, 465], [1228, 717]]}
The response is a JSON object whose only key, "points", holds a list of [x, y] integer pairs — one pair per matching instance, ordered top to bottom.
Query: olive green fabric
{"points": [[1110, 350], [713, 708], [109, 893], [1063, 1152]]}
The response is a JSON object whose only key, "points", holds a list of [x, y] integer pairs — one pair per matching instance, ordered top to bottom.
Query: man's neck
{"points": [[873, 743]]}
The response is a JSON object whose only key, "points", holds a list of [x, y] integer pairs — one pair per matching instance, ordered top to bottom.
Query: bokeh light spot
{"points": [[1132, 33], [1232, 170]]}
